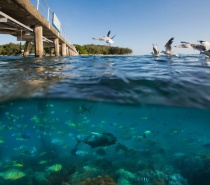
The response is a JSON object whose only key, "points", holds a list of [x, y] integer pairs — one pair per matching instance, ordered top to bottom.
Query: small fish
{"points": [[84, 109], [146, 133], [24, 136], [57, 141], [81, 152], [43, 162], [17, 165], [55, 168], [12, 174], [142, 179], [145, 179]]}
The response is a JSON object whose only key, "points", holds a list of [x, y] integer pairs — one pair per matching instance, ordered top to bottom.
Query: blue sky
{"points": [[136, 23]]}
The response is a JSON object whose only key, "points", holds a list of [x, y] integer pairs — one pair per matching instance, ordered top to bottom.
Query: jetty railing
{"points": [[44, 9]]}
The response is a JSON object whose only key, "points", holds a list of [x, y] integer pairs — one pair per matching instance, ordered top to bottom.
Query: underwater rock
{"points": [[103, 163], [194, 167], [84, 173], [40, 177], [125, 177], [149, 177], [157, 177], [105, 180]]}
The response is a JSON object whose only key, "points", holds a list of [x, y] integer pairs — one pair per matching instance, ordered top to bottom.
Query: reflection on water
{"points": [[23, 78]]}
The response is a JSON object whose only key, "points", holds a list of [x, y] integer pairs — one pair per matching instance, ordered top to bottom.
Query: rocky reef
{"points": [[194, 167]]}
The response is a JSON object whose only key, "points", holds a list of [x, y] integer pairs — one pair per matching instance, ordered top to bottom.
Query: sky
{"points": [[136, 23]]}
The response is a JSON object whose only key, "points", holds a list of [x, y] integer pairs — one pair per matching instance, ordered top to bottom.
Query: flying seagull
{"points": [[106, 38], [205, 44], [184, 45], [204, 48], [168, 51], [155, 52]]}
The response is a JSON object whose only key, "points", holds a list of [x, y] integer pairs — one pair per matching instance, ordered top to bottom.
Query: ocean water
{"points": [[55, 110]]}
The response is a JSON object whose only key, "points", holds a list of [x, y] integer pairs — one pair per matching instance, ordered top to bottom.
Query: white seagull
{"points": [[106, 38], [205, 44], [184, 45], [198, 47], [168, 51], [155, 52]]}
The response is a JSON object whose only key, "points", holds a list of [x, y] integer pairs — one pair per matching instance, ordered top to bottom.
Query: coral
{"points": [[85, 173], [125, 174], [40, 177], [124, 177], [100, 180], [159, 181]]}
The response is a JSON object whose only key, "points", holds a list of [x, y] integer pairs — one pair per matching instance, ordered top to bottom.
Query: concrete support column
{"points": [[38, 41], [56, 43], [27, 49], [63, 50], [52, 51], [67, 51], [70, 52]]}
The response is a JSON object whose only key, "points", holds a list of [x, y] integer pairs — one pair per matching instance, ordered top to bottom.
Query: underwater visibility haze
{"points": [[126, 120]]}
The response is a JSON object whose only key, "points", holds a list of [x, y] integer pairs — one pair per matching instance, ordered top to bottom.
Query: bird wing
{"points": [[108, 33], [113, 36], [99, 38], [184, 42], [168, 44], [205, 44], [155, 49]]}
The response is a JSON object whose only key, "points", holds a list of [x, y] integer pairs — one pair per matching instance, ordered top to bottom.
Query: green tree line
{"points": [[11, 49], [16, 49], [89, 49], [92, 49]]}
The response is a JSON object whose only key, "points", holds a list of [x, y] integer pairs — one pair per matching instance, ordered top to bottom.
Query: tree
{"points": [[80, 49]]}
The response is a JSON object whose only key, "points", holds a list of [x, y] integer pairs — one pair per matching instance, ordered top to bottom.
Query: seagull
{"points": [[106, 38], [205, 44], [184, 45], [198, 47], [168, 51], [155, 52], [207, 53]]}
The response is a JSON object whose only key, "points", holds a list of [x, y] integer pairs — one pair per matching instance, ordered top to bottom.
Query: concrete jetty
{"points": [[22, 19]]}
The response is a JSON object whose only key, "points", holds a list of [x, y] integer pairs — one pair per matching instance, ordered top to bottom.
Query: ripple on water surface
{"points": [[182, 81]]}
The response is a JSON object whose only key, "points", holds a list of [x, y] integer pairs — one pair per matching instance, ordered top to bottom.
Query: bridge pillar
{"points": [[38, 41], [56, 43], [27, 48], [63, 49], [52, 51], [67, 51], [71, 53]]}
